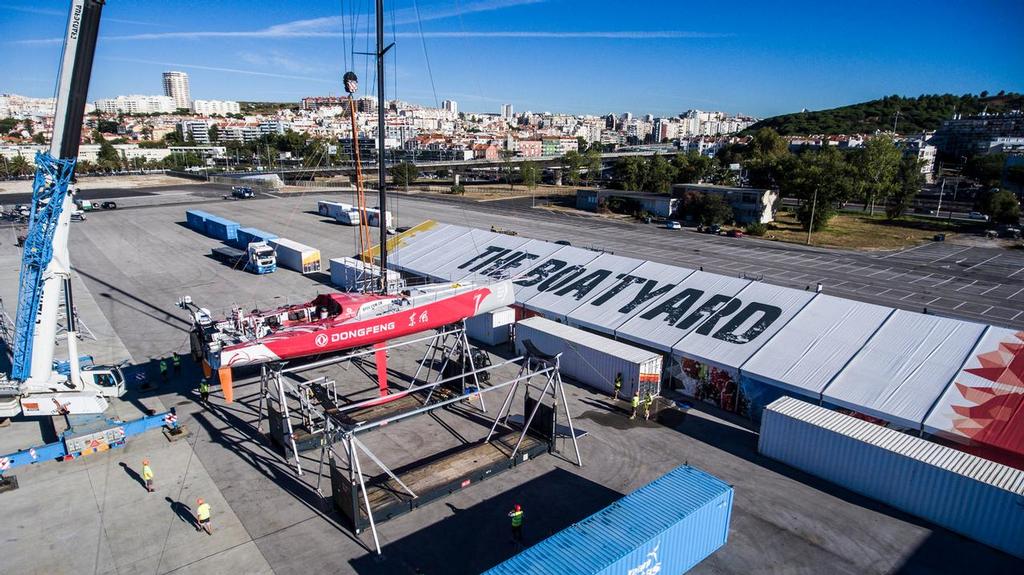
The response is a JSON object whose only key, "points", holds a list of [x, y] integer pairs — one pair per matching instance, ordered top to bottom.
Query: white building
{"points": [[176, 86], [137, 104], [450, 106], [21, 107], [210, 107], [506, 111], [197, 131]]}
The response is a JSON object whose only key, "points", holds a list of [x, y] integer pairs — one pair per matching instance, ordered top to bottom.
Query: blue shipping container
{"points": [[196, 219], [222, 229], [246, 236], [667, 526]]}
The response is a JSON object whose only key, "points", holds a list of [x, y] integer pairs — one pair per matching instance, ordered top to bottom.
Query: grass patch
{"points": [[863, 232]]}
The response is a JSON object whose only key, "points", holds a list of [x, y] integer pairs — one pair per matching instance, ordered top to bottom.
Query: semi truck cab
{"points": [[262, 258]]}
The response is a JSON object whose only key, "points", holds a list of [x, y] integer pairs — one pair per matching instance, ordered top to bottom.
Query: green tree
{"points": [[7, 125], [28, 125], [214, 133], [38, 138], [581, 144], [767, 154], [107, 158], [573, 162], [592, 162], [19, 166], [691, 167], [875, 167], [508, 169], [987, 169], [529, 173], [629, 173], [404, 174], [659, 175], [820, 179], [909, 180], [1003, 207], [713, 209]]}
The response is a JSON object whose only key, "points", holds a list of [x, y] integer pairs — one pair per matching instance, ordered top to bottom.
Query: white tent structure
{"points": [[741, 343]]}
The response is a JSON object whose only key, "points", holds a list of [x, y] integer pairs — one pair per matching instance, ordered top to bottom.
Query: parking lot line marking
{"points": [[904, 251], [949, 255], [984, 262], [878, 272], [1015, 273], [922, 278], [949, 279], [838, 284], [966, 286], [989, 289], [884, 292], [1014, 293], [908, 295], [933, 301], [957, 306], [987, 310], [1015, 315]]}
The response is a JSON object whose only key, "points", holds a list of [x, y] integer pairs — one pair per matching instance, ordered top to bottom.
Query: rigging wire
{"points": [[426, 55]]}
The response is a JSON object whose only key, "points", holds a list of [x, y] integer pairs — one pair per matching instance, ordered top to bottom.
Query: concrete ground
{"points": [[93, 515]]}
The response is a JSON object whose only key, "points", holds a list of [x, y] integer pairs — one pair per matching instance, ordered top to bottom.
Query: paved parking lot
{"points": [[135, 263]]}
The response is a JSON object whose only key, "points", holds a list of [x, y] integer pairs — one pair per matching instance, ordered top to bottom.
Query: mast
{"points": [[381, 168]]}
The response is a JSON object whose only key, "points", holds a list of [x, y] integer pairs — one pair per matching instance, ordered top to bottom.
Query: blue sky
{"points": [[581, 56]]}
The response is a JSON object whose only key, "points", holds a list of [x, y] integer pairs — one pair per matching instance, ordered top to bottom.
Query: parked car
{"points": [[242, 192], [927, 211], [978, 216], [673, 225], [713, 229], [735, 233]]}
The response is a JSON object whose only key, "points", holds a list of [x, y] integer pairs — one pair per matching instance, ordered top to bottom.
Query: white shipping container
{"points": [[332, 209], [373, 217], [296, 256], [351, 274], [491, 328], [592, 359], [964, 493]]}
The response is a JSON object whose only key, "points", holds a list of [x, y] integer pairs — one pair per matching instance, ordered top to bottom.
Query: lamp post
{"points": [[810, 224]]}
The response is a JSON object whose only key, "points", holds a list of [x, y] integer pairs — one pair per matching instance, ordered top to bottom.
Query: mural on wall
{"points": [[714, 385], [994, 412]]}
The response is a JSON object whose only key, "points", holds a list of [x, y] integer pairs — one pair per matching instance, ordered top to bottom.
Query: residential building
{"points": [[176, 86], [314, 103], [137, 104], [450, 106], [219, 107], [506, 111], [273, 127], [197, 131], [244, 134], [975, 134], [529, 148], [485, 152], [924, 152], [748, 204]]}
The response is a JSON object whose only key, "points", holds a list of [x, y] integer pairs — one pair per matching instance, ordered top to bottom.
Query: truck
{"points": [[242, 193], [90, 205], [333, 209], [295, 256], [258, 257]]}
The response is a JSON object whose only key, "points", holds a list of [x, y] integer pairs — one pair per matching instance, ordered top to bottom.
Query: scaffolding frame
{"points": [[449, 342], [530, 367]]}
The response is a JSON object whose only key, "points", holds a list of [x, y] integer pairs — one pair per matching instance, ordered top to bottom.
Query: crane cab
{"points": [[108, 381]]}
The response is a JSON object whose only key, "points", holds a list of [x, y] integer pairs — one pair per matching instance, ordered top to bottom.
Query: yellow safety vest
{"points": [[176, 359], [163, 366], [204, 386], [636, 400], [147, 472], [203, 511], [517, 518]]}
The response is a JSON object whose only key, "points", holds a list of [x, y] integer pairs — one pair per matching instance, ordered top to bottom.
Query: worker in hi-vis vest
{"points": [[618, 386], [635, 403], [147, 475], [203, 516], [517, 524]]}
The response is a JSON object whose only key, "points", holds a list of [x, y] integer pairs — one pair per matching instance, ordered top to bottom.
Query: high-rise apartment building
{"points": [[176, 86], [450, 106], [506, 111]]}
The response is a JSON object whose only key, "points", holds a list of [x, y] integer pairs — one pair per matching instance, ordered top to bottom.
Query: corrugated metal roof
{"points": [[599, 275], [608, 310], [591, 340], [972, 466], [614, 532]]}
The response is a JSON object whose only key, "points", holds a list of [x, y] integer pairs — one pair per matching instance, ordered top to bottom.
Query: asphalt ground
{"points": [[92, 515]]}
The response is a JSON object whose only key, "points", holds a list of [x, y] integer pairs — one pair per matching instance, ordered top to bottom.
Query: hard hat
{"points": [[199, 501], [518, 507]]}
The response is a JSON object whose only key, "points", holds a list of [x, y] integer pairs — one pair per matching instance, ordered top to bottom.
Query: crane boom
{"points": [[46, 266]]}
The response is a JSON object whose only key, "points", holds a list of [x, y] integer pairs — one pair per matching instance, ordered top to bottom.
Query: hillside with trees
{"points": [[923, 113]]}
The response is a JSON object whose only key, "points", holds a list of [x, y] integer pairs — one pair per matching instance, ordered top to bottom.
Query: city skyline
{"points": [[537, 55]]}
